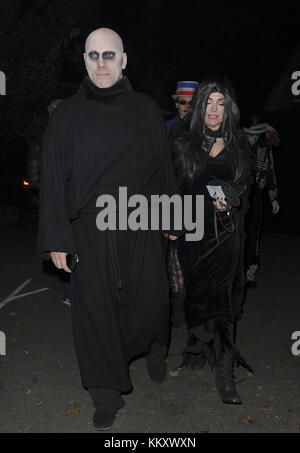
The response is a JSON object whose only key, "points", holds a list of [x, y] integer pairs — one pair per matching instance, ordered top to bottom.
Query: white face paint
{"points": [[104, 57], [214, 111]]}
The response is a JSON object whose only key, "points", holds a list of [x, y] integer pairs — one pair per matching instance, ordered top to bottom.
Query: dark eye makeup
{"points": [[107, 55]]}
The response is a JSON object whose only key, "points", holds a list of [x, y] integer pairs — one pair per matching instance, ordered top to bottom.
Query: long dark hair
{"points": [[231, 117], [190, 158]]}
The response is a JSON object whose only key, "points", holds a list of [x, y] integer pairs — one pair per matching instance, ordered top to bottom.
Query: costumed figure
{"points": [[183, 98], [262, 137], [104, 138], [211, 150]]}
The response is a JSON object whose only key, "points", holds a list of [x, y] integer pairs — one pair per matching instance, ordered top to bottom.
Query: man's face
{"points": [[104, 58], [183, 105], [214, 111], [253, 139]]}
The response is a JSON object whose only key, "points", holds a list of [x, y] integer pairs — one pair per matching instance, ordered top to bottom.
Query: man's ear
{"points": [[84, 57], [124, 64]]}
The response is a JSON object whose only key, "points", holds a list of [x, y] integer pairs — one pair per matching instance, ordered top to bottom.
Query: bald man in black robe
{"points": [[104, 137]]}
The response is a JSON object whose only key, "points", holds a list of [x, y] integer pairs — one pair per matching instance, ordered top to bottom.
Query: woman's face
{"points": [[214, 111]]}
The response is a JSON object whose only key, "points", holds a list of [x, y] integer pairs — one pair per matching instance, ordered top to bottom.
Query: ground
{"points": [[39, 378]]}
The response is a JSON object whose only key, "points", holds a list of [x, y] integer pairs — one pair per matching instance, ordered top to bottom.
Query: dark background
{"points": [[252, 43]]}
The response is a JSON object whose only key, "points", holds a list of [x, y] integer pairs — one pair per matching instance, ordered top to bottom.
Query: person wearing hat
{"points": [[183, 98], [262, 138]]}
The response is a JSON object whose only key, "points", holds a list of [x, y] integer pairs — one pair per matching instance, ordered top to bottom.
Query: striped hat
{"points": [[185, 88]]}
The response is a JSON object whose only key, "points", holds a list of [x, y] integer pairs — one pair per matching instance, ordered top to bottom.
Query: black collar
{"points": [[112, 95]]}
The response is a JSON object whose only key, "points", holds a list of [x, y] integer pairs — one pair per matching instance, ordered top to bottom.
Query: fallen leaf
{"points": [[200, 373], [259, 387], [28, 391], [255, 395], [272, 398], [76, 404], [267, 408], [72, 411], [249, 420]]}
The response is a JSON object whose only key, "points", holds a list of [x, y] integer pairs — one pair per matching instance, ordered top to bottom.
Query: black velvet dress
{"points": [[210, 266]]}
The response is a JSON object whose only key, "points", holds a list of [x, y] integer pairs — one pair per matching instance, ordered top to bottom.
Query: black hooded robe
{"points": [[97, 141]]}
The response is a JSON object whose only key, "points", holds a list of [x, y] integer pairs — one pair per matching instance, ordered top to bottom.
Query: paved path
{"points": [[40, 388]]}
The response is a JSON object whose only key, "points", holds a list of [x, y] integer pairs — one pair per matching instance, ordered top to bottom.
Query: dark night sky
{"points": [[166, 41], [248, 42]]}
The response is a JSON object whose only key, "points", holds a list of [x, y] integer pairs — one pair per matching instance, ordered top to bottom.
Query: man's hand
{"points": [[275, 207], [59, 260]]}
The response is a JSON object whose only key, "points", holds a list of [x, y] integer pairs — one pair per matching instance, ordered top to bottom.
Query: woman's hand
{"points": [[221, 204]]}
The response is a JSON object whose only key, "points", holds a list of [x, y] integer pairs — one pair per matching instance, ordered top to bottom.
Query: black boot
{"points": [[225, 380]]}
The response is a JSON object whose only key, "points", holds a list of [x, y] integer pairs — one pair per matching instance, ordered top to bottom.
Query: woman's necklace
{"points": [[210, 138]]}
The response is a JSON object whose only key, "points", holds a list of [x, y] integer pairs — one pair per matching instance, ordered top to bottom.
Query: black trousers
{"points": [[253, 223], [106, 398], [111, 398]]}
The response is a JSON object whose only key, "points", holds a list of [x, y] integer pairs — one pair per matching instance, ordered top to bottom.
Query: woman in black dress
{"points": [[210, 149]]}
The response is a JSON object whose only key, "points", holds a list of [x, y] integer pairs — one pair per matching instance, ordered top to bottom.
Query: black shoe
{"points": [[157, 367], [157, 371], [225, 380], [104, 418]]}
